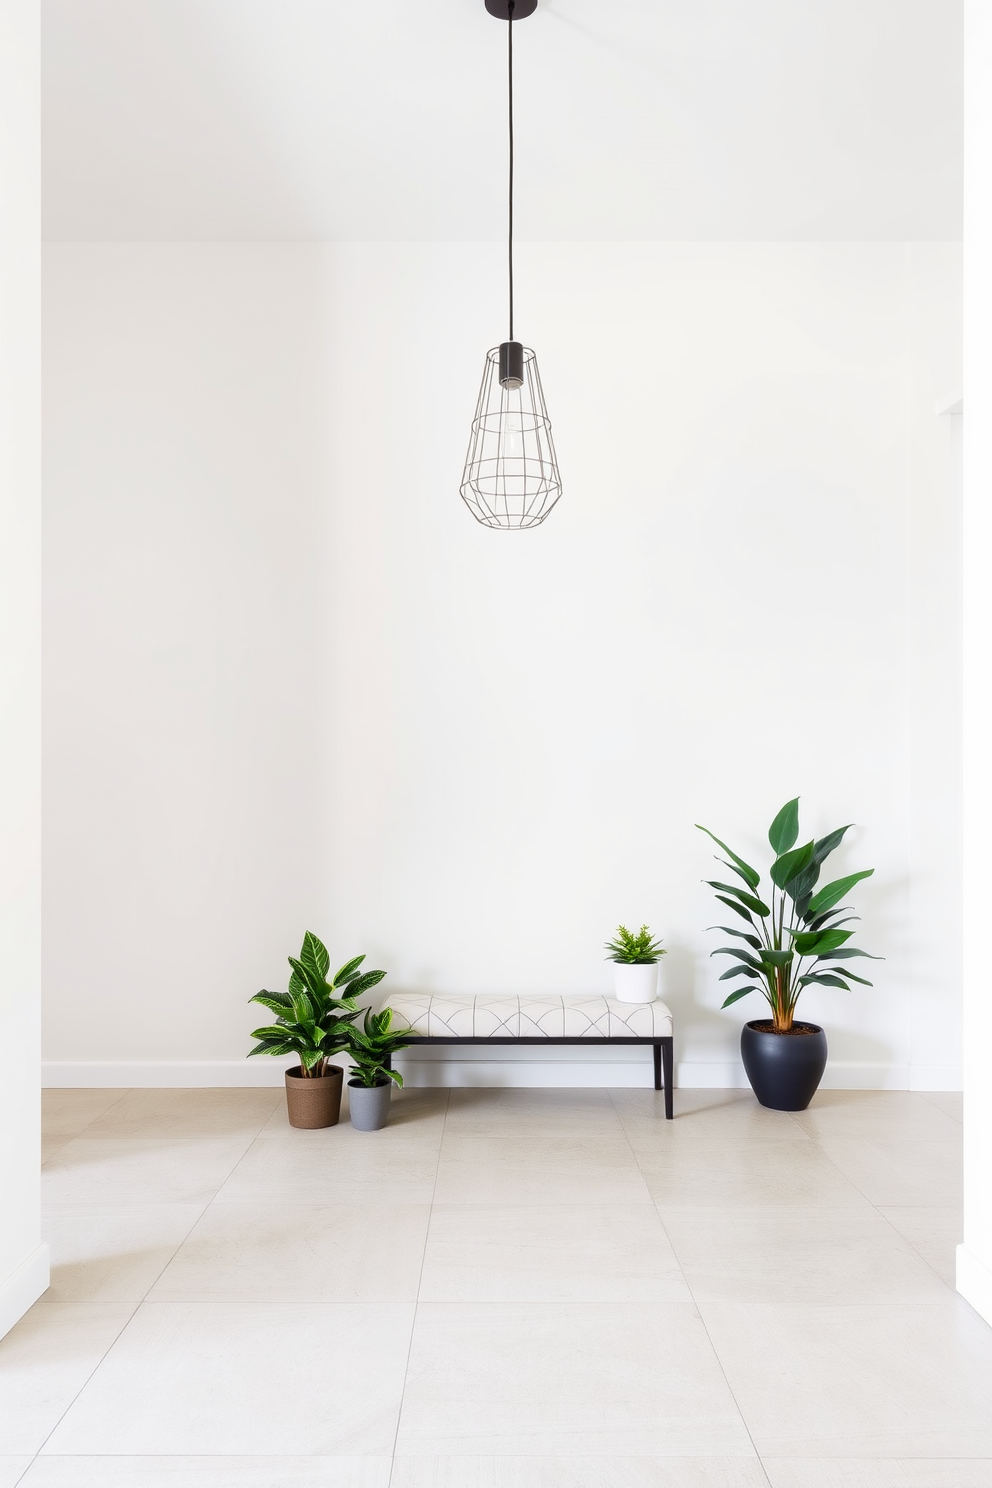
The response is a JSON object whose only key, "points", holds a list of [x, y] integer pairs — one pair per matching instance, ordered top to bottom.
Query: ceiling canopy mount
{"points": [[501, 9]]}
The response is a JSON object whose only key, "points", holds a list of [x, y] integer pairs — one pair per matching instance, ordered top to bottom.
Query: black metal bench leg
{"points": [[656, 1051], [668, 1055]]}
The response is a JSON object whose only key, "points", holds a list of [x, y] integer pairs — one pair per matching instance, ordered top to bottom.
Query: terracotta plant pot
{"points": [[785, 1069], [313, 1103], [369, 1104]]}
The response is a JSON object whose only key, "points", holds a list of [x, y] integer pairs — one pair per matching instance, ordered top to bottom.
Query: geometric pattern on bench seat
{"points": [[537, 1015]]}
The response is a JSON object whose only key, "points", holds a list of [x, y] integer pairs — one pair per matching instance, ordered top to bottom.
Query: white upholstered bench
{"points": [[577, 1018]]}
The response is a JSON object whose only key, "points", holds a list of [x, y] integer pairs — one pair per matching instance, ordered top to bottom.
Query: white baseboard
{"points": [[564, 1065], [170, 1074], [974, 1282], [23, 1288]]}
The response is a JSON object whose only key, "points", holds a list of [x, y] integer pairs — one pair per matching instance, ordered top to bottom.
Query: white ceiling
{"points": [[369, 119]]}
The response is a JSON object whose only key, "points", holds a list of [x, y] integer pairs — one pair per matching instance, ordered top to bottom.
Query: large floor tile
{"points": [[951, 1102], [69, 1112], [531, 1112], [187, 1113], [412, 1113], [901, 1115], [701, 1116], [539, 1149], [352, 1166], [110, 1170], [896, 1172], [796, 1174], [470, 1182], [934, 1234], [292, 1252], [113, 1253], [553, 1253], [789, 1254], [45, 1360], [198, 1378], [581, 1380], [868, 1381], [12, 1470], [209, 1472], [578, 1472], [868, 1472]]}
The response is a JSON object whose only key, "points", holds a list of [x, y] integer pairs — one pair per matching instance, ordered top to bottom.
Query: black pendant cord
{"points": [[509, 61]]}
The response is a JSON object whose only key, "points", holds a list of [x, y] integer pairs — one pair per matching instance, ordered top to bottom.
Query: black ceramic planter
{"points": [[784, 1068]]}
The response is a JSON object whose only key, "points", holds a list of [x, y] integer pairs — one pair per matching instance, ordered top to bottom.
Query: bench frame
{"points": [[663, 1048]]}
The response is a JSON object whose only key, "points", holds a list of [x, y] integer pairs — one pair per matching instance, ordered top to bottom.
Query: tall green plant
{"points": [[796, 941], [314, 1018]]}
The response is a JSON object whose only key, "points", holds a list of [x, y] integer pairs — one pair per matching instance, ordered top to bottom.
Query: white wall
{"points": [[499, 742], [23, 1258], [974, 1263]]}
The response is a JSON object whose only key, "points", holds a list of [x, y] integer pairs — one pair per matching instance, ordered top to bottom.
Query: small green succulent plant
{"points": [[634, 950]]}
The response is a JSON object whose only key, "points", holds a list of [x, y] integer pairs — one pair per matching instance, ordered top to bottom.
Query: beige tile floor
{"points": [[503, 1289]]}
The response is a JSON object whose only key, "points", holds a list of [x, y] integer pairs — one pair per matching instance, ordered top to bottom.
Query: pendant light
{"points": [[511, 478]]}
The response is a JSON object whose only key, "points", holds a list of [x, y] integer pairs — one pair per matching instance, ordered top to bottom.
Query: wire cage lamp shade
{"points": [[511, 475], [511, 479]]}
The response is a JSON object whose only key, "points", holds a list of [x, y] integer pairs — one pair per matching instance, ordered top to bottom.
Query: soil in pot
{"points": [[785, 1069], [311, 1103], [369, 1104]]}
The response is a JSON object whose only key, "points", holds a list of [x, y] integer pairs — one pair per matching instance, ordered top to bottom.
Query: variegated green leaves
{"points": [[798, 925], [314, 1018], [373, 1046]]}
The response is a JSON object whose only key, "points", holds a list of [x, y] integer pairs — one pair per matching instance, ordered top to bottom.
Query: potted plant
{"points": [[790, 943], [636, 957], [313, 1020], [372, 1078]]}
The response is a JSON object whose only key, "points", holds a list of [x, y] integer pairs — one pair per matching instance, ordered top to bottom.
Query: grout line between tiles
{"points": [[420, 1280], [692, 1294], [111, 1345]]}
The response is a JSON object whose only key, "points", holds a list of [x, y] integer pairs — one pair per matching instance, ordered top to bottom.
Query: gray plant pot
{"points": [[369, 1104]]}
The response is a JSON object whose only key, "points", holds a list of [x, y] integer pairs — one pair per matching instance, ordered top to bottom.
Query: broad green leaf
{"points": [[784, 829], [826, 845], [791, 864], [748, 873], [800, 887], [833, 893], [754, 905], [737, 908], [823, 920], [752, 940], [819, 942], [847, 951], [314, 954], [738, 955], [777, 958], [347, 970], [736, 971], [843, 971], [823, 979], [364, 982], [296, 983], [313, 983], [736, 996], [276, 1002], [303, 1007], [272, 1031], [271, 1047]]}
